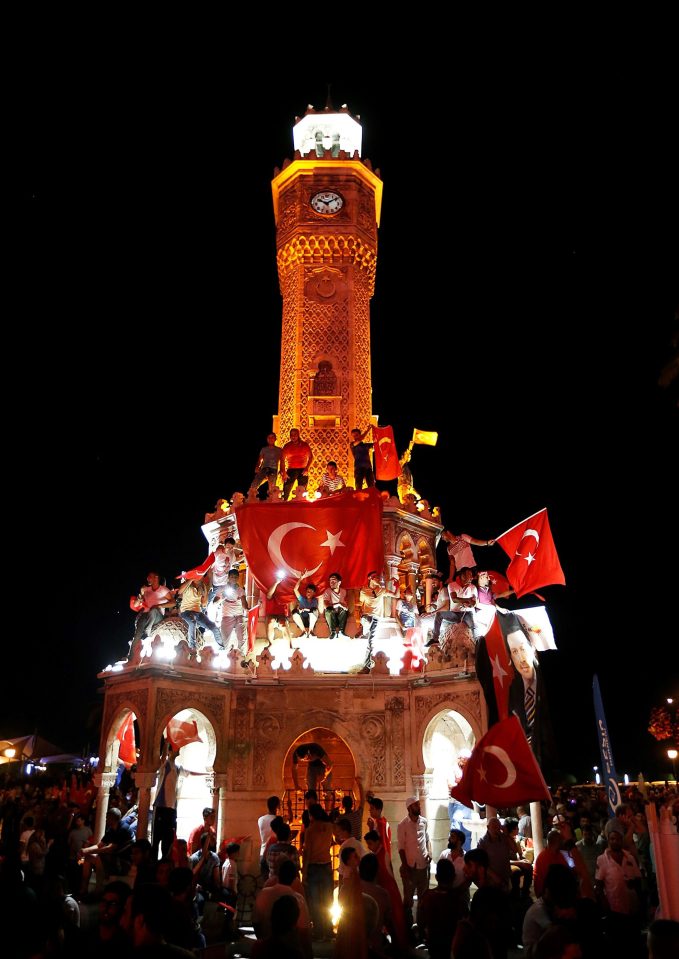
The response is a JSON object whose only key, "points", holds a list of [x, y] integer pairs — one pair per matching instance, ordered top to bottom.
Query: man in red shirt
{"points": [[295, 462], [207, 825]]}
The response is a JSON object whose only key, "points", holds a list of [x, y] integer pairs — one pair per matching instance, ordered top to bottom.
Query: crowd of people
{"points": [[590, 892]]}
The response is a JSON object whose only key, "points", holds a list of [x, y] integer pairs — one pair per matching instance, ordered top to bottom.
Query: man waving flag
{"points": [[533, 558]]}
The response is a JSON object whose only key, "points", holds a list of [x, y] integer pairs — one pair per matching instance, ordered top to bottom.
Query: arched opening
{"points": [[446, 735], [195, 746]]}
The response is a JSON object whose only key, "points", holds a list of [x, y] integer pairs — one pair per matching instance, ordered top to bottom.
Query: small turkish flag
{"points": [[387, 466], [533, 558], [181, 733], [502, 770]]}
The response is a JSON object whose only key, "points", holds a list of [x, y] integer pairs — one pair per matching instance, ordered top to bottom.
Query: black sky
{"points": [[525, 304]]}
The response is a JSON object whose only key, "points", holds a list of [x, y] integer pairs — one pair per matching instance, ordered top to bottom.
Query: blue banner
{"points": [[607, 764]]}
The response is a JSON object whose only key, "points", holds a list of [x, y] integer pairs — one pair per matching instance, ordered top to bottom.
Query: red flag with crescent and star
{"points": [[387, 466], [336, 534], [533, 558], [501, 666], [502, 770]]}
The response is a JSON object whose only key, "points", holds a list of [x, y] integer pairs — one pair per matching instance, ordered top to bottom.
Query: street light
{"points": [[10, 753], [672, 756], [597, 777]]}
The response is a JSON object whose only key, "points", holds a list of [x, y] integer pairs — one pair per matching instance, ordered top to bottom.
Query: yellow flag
{"points": [[426, 439]]}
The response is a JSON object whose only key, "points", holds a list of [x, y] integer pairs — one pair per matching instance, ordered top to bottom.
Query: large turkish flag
{"points": [[387, 466], [337, 534], [534, 560]]}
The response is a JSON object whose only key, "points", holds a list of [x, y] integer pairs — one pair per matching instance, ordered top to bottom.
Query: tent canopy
{"points": [[29, 747]]}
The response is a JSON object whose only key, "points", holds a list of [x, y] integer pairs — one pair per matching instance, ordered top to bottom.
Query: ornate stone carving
{"points": [[136, 698], [395, 708], [373, 733]]}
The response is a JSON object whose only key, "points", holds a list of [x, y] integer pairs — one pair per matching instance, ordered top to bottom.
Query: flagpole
{"points": [[520, 523]]}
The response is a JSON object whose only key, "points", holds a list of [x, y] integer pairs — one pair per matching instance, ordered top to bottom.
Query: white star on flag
{"points": [[333, 541], [529, 558], [498, 671], [482, 774]]}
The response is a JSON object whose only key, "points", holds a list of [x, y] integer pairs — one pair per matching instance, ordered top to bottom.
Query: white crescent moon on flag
{"points": [[380, 442], [529, 532], [275, 543], [501, 754]]}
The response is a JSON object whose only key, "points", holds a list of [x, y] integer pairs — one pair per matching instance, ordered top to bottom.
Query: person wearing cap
{"points": [[414, 849]]}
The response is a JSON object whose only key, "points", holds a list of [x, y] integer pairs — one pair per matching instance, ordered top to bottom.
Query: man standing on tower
{"points": [[295, 462], [363, 469]]}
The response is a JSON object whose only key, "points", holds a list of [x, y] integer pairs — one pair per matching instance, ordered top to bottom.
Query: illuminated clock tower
{"points": [[327, 207]]}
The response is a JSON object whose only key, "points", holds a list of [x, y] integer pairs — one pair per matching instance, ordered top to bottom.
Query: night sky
{"points": [[525, 306]]}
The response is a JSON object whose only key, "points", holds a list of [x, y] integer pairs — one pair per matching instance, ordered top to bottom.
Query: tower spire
{"points": [[329, 108]]}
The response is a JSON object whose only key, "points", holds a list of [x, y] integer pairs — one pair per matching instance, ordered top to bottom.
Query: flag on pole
{"points": [[425, 438], [387, 466], [533, 558], [253, 619], [182, 732], [127, 752], [607, 764], [502, 770]]}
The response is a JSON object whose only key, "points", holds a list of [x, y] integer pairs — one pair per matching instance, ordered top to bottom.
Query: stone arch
{"points": [[447, 731], [110, 743], [337, 750], [197, 788]]}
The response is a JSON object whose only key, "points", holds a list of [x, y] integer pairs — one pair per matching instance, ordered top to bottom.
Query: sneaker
{"points": [[365, 671]]}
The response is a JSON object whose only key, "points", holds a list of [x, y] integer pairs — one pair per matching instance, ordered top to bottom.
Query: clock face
{"points": [[327, 202]]}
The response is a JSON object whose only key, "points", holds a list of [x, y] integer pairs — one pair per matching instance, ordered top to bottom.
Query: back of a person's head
{"points": [[310, 794], [348, 803], [272, 804], [316, 811], [275, 824], [343, 824], [511, 825], [281, 830], [372, 835], [233, 848], [346, 854], [478, 856], [368, 866], [445, 871], [287, 872], [180, 880], [561, 886], [154, 904], [284, 915], [663, 939], [554, 943]]}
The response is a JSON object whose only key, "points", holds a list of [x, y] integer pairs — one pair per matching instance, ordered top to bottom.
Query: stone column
{"points": [[392, 563], [428, 572], [411, 576], [144, 781], [104, 783], [421, 786], [218, 791]]}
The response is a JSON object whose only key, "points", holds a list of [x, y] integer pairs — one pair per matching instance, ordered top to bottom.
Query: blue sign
{"points": [[607, 764]]}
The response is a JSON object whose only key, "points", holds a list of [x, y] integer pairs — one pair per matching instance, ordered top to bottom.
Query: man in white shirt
{"points": [[463, 598], [273, 804], [414, 848]]}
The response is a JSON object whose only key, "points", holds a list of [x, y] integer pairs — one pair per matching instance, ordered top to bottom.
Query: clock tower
{"points": [[327, 208]]}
